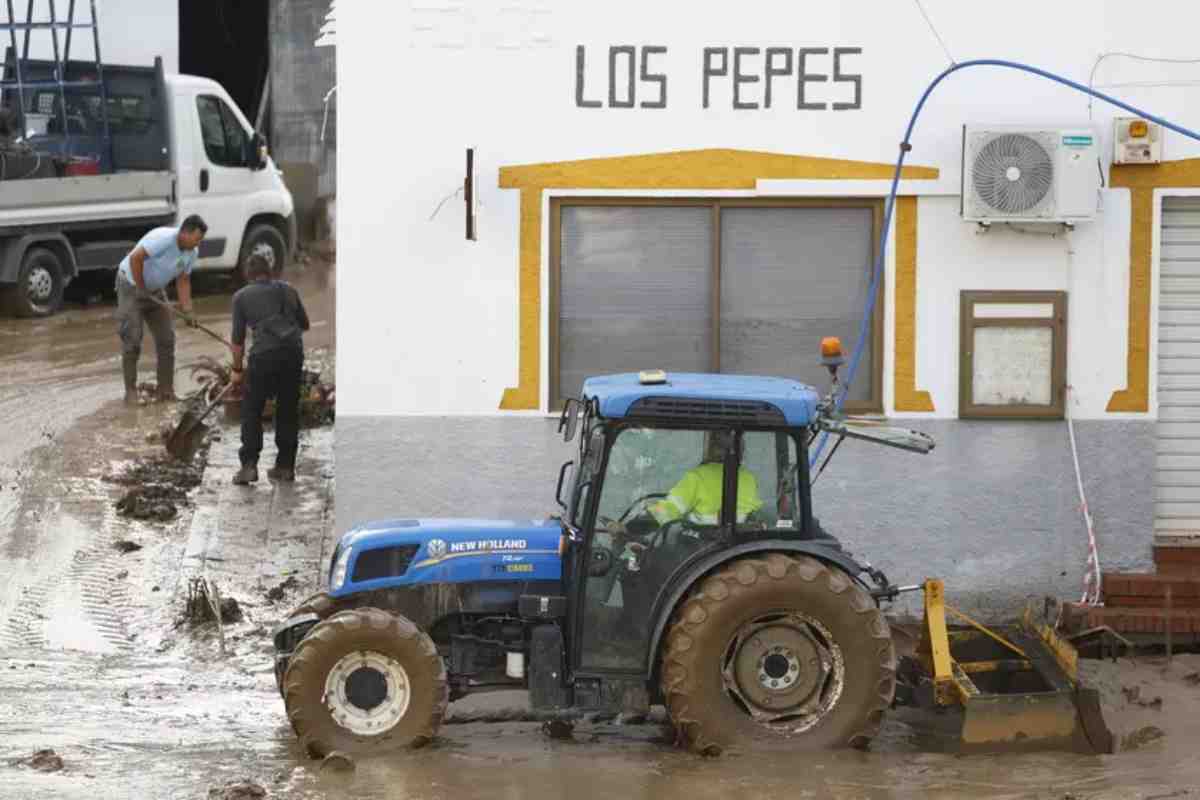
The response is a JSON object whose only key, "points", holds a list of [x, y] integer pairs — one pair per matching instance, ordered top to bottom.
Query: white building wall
{"points": [[429, 321]]}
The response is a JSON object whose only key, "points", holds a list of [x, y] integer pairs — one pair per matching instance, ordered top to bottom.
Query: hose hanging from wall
{"points": [[905, 147]]}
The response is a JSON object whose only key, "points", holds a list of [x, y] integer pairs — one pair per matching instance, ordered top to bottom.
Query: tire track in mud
{"points": [[69, 585]]}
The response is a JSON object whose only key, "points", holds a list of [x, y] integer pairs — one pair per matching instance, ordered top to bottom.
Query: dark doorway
{"points": [[227, 41]]}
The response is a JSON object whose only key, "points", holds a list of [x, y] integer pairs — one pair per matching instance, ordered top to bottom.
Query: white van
{"points": [[79, 186]]}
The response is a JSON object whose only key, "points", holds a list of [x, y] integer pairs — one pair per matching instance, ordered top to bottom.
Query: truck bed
{"points": [[91, 198]]}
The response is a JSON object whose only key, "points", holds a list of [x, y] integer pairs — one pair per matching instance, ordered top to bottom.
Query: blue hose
{"points": [[905, 146]]}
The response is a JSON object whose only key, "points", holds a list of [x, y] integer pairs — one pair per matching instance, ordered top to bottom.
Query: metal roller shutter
{"points": [[1177, 460]]}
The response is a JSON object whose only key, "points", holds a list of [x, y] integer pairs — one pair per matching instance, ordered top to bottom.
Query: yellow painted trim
{"points": [[698, 170], [1142, 180], [525, 395], [1135, 396], [908, 397]]}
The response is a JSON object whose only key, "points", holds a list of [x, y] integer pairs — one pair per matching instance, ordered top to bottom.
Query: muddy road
{"points": [[97, 664]]}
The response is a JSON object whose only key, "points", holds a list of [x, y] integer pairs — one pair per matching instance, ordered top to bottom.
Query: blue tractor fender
{"points": [[691, 572]]}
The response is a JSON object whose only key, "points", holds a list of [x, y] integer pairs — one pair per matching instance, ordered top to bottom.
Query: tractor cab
{"points": [[672, 468]]}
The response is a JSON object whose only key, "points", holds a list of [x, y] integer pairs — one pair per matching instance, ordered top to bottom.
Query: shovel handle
{"points": [[181, 315]]}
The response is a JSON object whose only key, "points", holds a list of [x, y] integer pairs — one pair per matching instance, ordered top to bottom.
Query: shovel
{"points": [[183, 316], [185, 440]]}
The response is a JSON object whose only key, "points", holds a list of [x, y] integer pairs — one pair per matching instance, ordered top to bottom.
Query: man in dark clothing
{"points": [[276, 316]]}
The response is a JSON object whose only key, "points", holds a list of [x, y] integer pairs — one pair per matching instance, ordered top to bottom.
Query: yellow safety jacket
{"points": [[697, 496]]}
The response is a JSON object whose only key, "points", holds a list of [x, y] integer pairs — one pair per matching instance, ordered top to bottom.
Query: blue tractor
{"points": [[686, 569]]}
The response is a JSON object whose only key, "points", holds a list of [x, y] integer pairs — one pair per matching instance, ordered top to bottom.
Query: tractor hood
{"points": [[398, 552]]}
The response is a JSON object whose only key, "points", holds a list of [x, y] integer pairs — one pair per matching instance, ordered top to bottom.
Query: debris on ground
{"points": [[317, 398], [158, 486], [151, 503], [126, 546], [276, 593], [200, 605], [231, 611], [1192, 678], [1133, 695], [558, 729], [1141, 737], [42, 761], [337, 761], [242, 790]]}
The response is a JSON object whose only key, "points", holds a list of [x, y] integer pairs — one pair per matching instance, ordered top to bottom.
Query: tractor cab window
{"points": [[590, 456], [768, 480], [660, 503]]}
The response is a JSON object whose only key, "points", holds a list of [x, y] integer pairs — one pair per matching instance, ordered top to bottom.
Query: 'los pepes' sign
{"points": [[745, 78]]}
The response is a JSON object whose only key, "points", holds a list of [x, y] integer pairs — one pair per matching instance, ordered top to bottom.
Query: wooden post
{"points": [[1168, 626]]}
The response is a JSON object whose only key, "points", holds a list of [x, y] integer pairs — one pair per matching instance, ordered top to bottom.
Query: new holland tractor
{"points": [[686, 569]]}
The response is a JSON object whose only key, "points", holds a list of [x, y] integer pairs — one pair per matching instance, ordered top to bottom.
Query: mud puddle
{"points": [[163, 727]]}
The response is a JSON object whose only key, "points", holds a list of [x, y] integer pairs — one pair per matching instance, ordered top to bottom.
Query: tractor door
{"points": [[658, 504]]}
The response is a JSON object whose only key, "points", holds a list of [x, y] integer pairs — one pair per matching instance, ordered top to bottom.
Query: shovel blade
{"points": [[187, 437], [1060, 720]]}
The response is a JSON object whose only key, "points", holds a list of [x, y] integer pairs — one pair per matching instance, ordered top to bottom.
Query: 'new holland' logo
{"points": [[484, 545]]}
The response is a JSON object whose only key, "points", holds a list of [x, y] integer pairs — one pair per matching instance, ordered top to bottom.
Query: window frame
{"points": [[221, 114], [968, 323], [874, 402]]}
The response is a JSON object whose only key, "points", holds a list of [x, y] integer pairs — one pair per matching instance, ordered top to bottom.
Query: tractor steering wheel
{"points": [[641, 500]]}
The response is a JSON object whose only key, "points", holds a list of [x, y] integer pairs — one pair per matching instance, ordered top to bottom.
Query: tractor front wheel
{"points": [[777, 648], [365, 681]]}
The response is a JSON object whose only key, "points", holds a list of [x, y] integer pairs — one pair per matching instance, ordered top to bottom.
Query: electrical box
{"points": [[1136, 141]]}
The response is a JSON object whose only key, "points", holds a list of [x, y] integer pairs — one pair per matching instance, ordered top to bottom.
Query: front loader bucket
{"points": [[1018, 685]]}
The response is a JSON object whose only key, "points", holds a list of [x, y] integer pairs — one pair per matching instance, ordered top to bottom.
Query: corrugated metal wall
{"points": [[1177, 460]]}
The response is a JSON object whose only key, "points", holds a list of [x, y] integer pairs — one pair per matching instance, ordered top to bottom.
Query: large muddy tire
{"points": [[261, 240], [40, 285], [777, 649], [365, 681]]}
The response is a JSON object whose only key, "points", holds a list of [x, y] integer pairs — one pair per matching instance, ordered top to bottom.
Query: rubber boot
{"points": [[129, 365], [166, 378], [282, 474], [246, 475]]}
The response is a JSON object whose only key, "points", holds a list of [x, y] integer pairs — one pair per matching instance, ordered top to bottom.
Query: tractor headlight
{"points": [[338, 577]]}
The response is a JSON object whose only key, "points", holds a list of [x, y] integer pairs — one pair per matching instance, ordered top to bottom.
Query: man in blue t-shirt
{"points": [[163, 255]]}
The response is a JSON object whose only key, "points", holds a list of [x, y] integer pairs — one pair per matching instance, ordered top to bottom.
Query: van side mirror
{"points": [[256, 159]]}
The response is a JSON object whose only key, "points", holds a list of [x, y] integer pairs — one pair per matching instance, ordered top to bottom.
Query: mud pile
{"points": [[158, 486], [42, 761]]}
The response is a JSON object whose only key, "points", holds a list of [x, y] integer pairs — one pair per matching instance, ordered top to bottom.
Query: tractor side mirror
{"points": [[569, 420], [562, 476]]}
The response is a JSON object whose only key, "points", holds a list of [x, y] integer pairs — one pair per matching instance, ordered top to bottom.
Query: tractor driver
{"points": [[697, 496]]}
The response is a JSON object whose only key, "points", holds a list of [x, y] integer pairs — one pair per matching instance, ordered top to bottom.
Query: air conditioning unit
{"points": [[1014, 174]]}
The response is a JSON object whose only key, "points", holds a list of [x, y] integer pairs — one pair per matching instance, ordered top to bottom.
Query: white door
{"points": [[222, 177], [1177, 462]]}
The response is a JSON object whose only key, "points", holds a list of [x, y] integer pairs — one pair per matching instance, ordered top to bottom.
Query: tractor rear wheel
{"points": [[777, 649], [362, 681]]}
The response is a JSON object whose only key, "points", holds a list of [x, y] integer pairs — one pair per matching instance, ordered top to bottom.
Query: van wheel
{"points": [[266, 241], [40, 285], [778, 649], [365, 681]]}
